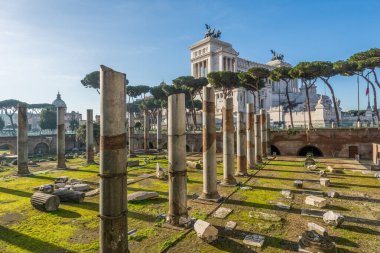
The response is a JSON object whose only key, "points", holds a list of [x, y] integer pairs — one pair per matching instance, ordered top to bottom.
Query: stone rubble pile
{"points": [[315, 240]]}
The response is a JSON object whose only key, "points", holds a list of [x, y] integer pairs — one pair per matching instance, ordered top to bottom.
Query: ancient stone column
{"points": [[263, 126], [159, 130], [146, 131], [131, 132], [267, 135], [250, 136], [90, 137], [22, 140], [228, 143], [241, 145], [258, 157], [113, 162], [61, 163], [210, 190], [178, 215]]}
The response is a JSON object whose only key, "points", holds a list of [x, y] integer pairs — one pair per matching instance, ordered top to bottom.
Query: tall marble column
{"points": [[263, 125], [159, 130], [146, 131], [131, 132], [250, 136], [90, 137], [267, 137], [22, 140], [228, 143], [241, 145], [258, 157], [61, 163], [113, 163], [210, 191], [178, 215]]}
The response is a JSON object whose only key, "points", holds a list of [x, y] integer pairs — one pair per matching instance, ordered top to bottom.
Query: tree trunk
{"points": [[258, 95], [374, 98], [334, 100], [289, 104], [308, 104], [11, 119]]}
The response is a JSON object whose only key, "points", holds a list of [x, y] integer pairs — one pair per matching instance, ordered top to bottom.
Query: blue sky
{"points": [[46, 46]]}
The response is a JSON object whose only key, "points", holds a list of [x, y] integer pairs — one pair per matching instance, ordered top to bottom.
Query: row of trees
{"points": [[362, 64]]}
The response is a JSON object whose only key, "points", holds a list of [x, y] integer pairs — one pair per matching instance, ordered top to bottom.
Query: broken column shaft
{"points": [[263, 126], [159, 130], [146, 131], [131, 132], [250, 136], [267, 136], [90, 137], [22, 141], [228, 143], [209, 145], [241, 145], [258, 158], [61, 163], [113, 163], [178, 215]]}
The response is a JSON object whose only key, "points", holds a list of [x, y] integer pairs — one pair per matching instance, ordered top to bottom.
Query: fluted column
{"points": [[250, 136], [90, 137], [22, 140], [228, 143], [209, 145], [241, 145], [61, 163], [113, 163], [178, 214]]}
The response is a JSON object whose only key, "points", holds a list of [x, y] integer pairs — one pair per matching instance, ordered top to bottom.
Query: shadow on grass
{"points": [[16, 192], [61, 212], [361, 230], [270, 241], [343, 241], [27, 242]]}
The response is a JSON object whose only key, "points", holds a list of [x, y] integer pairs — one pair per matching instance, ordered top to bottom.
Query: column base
{"points": [[242, 174], [229, 182], [211, 197], [178, 221]]}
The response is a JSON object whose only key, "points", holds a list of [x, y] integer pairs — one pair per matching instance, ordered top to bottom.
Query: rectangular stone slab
{"points": [[222, 212]]}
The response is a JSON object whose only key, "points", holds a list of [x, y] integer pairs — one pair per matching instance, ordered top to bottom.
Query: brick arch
{"points": [[11, 147], [41, 148], [310, 149]]}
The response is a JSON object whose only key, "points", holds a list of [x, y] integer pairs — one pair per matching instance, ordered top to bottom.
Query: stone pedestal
{"points": [[113, 163]]}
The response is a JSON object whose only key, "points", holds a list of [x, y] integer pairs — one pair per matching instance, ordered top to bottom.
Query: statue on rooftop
{"points": [[210, 32], [276, 56]]}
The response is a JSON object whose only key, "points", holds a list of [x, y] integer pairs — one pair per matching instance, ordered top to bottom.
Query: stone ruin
{"points": [[66, 189], [316, 240]]}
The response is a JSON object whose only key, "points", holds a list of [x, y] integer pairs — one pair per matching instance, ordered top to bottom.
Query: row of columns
{"points": [[200, 69], [113, 202]]}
